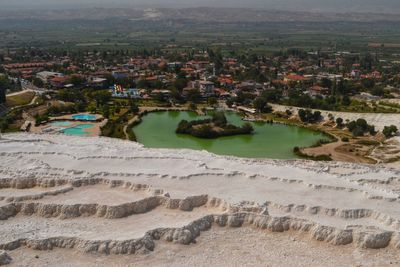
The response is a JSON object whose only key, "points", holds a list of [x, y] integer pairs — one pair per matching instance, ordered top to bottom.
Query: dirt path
{"points": [[19, 92], [127, 124]]}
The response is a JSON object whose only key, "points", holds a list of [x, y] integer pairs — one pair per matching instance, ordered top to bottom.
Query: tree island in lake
{"points": [[215, 127]]}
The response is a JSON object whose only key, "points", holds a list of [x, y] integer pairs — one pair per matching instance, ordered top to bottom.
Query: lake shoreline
{"points": [[289, 154]]}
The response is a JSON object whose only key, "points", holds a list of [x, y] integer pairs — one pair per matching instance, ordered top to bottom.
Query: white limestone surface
{"points": [[108, 196]]}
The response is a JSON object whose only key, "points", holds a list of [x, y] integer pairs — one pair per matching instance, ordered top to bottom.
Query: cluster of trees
{"points": [[81, 98], [242, 98], [332, 102], [261, 105], [308, 116], [9, 118], [41, 119], [360, 127], [207, 128], [390, 131]]}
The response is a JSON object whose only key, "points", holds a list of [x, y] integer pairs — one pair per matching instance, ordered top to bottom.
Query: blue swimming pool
{"points": [[84, 117], [61, 123], [77, 130]]}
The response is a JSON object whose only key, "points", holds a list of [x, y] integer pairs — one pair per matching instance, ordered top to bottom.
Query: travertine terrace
{"points": [[116, 199]]}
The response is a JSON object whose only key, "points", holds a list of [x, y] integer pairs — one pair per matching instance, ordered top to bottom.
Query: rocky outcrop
{"points": [[106, 211], [188, 234], [4, 258]]}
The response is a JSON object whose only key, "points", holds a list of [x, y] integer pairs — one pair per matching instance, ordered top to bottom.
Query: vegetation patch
{"points": [[20, 99], [215, 127], [129, 130], [368, 142], [297, 151]]}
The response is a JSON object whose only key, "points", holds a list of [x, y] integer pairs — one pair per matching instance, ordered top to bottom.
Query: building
{"points": [[120, 74], [46, 76], [97, 82], [206, 88], [317, 90], [119, 91]]}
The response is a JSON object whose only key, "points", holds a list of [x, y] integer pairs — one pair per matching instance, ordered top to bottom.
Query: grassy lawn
{"points": [[20, 99]]}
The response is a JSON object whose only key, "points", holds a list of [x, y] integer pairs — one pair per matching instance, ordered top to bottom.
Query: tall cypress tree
{"points": [[3, 87], [2, 96]]}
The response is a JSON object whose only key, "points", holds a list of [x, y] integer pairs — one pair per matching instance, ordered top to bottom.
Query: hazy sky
{"points": [[293, 5]]}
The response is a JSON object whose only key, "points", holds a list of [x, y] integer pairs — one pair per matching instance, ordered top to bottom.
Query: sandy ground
{"points": [[380, 120], [338, 152], [389, 153], [64, 193]]}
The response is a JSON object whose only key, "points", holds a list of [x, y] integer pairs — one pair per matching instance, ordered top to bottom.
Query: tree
{"points": [[77, 80], [38, 82], [180, 83], [4, 84], [143, 84], [378, 91], [194, 95], [101, 97], [3, 98], [212, 101], [346, 101], [261, 105], [192, 106], [133, 107], [106, 111], [219, 119], [339, 122], [362, 123], [389, 131]]}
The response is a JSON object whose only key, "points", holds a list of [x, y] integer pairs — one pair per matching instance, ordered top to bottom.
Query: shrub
{"points": [[339, 122], [389, 131], [297, 151]]}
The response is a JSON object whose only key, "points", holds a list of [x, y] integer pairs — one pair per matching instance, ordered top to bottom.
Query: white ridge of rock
{"points": [[52, 181]]}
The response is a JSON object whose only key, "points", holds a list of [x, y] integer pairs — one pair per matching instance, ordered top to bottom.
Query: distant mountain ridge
{"points": [[343, 6], [201, 14]]}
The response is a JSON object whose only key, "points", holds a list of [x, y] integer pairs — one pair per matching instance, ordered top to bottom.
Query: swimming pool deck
{"points": [[56, 129]]}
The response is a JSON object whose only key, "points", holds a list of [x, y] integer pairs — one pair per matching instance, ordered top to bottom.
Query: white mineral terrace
{"points": [[110, 197]]}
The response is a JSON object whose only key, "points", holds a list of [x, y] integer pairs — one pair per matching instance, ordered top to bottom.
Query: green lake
{"points": [[157, 130]]}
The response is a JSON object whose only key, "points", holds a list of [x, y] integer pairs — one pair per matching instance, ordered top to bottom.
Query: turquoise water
{"points": [[84, 117], [61, 123], [77, 130], [276, 141]]}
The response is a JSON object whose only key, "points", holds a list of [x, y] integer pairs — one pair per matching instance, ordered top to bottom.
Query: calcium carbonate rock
{"points": [[4, 258]]}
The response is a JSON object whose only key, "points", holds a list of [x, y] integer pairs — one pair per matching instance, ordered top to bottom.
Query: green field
{"points": [[262, 37], [21, 99]]}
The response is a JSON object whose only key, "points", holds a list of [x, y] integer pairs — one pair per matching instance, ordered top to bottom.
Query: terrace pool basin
{"points": [[77, 130]]}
